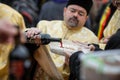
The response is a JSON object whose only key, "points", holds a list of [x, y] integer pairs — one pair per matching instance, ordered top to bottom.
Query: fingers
{"points": [[32, 31], [37, 40], [105, 40], [91, 47]]}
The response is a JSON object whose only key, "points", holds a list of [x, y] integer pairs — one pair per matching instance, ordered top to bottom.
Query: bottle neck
{"points": [[44, 39], [55, 39]]}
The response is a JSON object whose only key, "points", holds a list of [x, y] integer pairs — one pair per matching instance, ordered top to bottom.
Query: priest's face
{"points": [[75, 16]]}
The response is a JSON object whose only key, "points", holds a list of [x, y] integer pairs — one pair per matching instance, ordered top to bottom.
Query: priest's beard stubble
{"points": [[73, 22]]}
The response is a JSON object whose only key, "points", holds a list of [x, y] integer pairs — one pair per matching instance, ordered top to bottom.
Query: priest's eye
{"points": [[72, 10], [81, 14]]}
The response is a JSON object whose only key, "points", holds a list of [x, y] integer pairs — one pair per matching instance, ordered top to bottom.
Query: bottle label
{"points": [[16, 69]]}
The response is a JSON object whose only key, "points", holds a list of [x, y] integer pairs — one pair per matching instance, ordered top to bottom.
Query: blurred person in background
{"points": [[29, 9], [52, 10], [96, 13], [11, 17], [105, 18], [106, 22], [110, 22], [114, 23]]}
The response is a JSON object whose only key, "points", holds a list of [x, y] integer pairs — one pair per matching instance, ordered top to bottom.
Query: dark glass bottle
{"points": [[44, 39], [19, 61]]}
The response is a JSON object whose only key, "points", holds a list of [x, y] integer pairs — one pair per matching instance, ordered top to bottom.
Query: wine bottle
{"points": [[44, 39], [19, 61]]}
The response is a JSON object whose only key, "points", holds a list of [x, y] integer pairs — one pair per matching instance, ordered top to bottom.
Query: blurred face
{"points": [[98, 3], [116, 3], [75, 16]]}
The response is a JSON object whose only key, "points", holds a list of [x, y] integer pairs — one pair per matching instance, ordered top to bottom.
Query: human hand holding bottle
{"points": [[33, 33], [35, 36]]}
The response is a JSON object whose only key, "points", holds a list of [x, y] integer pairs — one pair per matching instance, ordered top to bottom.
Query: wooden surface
{"points": [[43, 58]]}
